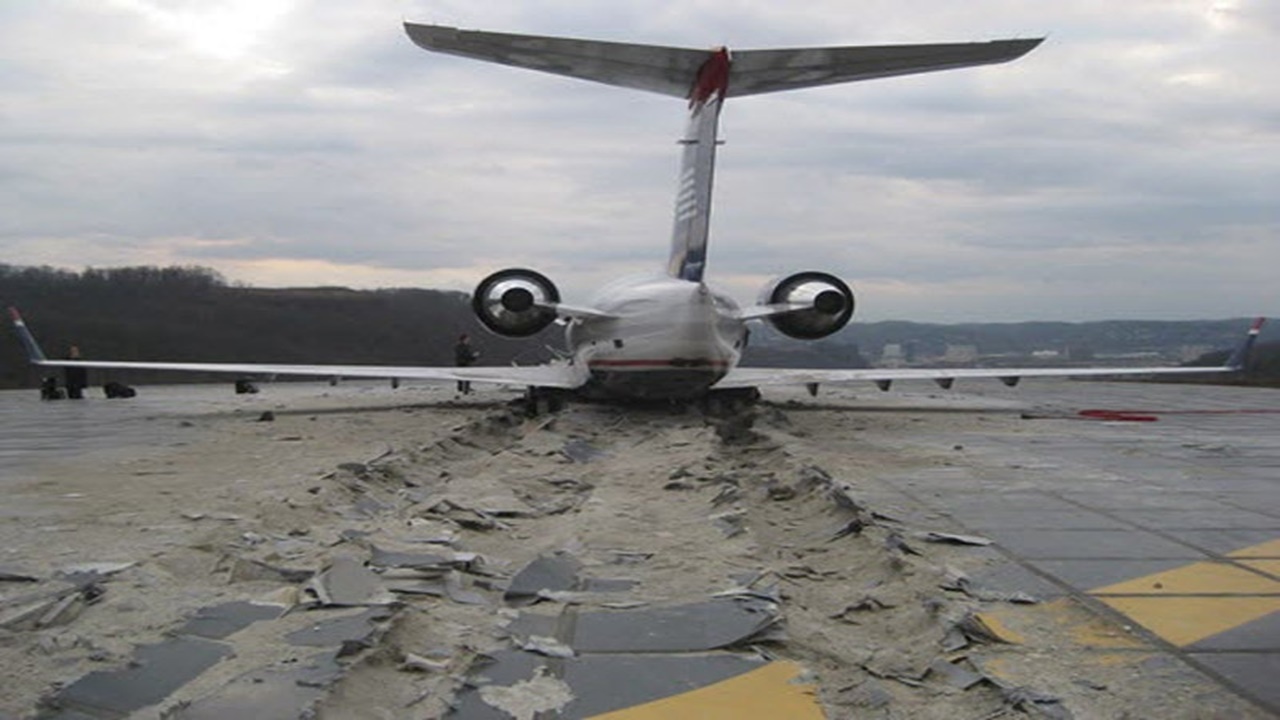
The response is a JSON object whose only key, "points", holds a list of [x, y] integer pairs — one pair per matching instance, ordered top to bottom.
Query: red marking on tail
{"points": [[713, 78]]}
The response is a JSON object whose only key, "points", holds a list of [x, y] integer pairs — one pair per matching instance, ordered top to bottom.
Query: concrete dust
{"points": [[246, 511]]}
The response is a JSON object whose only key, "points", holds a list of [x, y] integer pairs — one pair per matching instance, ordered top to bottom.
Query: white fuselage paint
{"points": [[669, 338]]}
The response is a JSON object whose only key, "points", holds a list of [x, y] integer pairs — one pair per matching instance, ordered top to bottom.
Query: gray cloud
{"points": [[1127, 167]]}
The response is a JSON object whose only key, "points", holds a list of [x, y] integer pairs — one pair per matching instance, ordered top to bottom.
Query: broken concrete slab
{"points": [[581, 451], [953, 538], [434, 563], [249, 570], [558, 571], [347, 583], [218, 621], [695, 627], [987, 628], [351, 633], [154, 673], [955, 674], [607, 683], [287, 690]]}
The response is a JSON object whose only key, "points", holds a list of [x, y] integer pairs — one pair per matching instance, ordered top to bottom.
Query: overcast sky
{"points": [[1127, 168]]}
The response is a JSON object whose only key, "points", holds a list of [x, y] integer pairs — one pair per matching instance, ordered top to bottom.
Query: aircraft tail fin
{"points": [[706, 78], [34, 353], [1240, 357]]}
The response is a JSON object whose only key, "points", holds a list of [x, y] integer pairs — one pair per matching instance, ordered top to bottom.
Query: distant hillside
{"points": [[190, 314]]}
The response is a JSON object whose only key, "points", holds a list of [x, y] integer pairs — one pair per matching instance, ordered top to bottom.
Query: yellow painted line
{"points": [[1269, 549], [1270, 567], [1202, 578], [1188, 604], [1186, 620], [767, 693]]}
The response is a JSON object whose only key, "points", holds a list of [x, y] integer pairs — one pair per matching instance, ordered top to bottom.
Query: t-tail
{"points": [[705, 78], [1240, 357]]}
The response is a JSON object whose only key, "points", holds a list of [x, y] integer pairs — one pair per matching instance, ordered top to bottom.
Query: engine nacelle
{"points": [[829, 300], [512, 302]]}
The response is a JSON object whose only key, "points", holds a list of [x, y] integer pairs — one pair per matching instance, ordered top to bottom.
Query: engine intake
{"points": [[512, 302], [830, 304]]}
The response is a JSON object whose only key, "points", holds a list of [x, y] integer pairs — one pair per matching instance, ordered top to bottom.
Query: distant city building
{"points": [[1191, 352], [960, 354], [891, 355]]}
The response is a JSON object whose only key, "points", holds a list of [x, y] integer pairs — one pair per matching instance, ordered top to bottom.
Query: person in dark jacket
{"points": [[464, 356], [76, 379]]}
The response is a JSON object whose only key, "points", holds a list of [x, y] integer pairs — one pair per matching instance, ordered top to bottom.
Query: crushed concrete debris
{"points": [[732, 523], [953, 539], [249, 570], [558, 571], [10, 573], [347, 583], [49, 608], [218, 621], [695, 627], [986, 628], [351, 633], [154, 672], [956, 673], [287, 690], [526, 699]]}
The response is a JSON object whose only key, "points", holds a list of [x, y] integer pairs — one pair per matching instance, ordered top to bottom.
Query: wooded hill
{"points": [[190, 314]]}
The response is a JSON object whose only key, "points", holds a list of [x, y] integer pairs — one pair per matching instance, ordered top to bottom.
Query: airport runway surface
{"points": [[1152, 541]]}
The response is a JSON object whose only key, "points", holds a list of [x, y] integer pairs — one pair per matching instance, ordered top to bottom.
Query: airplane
{"points": [[670, 335]]}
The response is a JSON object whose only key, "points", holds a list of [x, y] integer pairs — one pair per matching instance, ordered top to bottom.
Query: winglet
{"points": [[34, 353], [1241, 355]]}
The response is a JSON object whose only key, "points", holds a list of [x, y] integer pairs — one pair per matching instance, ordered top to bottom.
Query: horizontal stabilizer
{"points": [[665, 70], [672, 71], [762, 71]]}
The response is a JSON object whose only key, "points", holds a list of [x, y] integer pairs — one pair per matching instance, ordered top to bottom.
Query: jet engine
{"points": [[828, 299], [512, 302]]}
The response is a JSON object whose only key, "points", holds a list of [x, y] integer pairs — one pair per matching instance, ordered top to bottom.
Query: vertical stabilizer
{"points": [[697, 168]]}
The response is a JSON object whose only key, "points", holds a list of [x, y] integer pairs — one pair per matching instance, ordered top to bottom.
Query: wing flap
{"points": [[555, 375], [755, 377]]}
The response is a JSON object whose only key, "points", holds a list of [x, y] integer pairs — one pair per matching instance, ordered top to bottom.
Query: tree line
{"points": [[191, 314]]}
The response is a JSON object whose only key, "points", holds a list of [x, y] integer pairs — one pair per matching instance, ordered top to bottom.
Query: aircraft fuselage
{"points": [[669, 338]]}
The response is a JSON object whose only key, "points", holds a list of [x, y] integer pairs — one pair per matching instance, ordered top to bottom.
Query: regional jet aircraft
{"points": [[670, 335]]}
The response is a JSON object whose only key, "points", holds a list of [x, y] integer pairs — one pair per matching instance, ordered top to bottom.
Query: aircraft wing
{"points": [[672, 70], [554, 375], [755, 377]]}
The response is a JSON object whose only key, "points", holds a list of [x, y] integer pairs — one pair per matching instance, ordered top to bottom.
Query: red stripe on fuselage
{"points": [[679, 364]]}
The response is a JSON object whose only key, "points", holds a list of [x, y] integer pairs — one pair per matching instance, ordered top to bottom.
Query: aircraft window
{"points": [[617, 343]]}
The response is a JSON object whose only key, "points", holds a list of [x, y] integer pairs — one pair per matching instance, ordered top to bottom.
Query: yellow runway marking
{"points": [[1270, 549], [1270, 567], [1205, 578], [1188, 604], [1186, 620], [771, 692]]}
